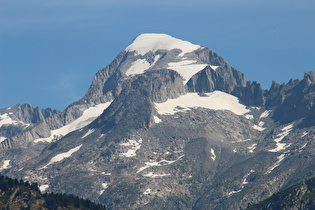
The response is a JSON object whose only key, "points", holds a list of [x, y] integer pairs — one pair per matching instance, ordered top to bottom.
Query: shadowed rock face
{"points": [[223, 78], [299, 196]]}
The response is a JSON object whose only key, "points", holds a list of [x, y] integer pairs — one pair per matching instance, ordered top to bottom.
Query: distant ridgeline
{"points": [[15, 194], [299, 196]]}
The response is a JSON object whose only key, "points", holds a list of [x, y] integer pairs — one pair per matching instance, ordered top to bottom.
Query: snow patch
{"points": [[145, 43], [139, 66], [186, 68], [216, 100], [265, 114], [249, 116], [87, 117], [5, 119], [156, 119], [259, 128], [90, 131], [304, 134], [2, 138], [281, 146], [134, 147], [252, 148], [301, 149], [213, 154], [62, 156], [280, 158], [160, 163], [5, 165], [106, 174], [152, 175], [243, 183], [105, 185], [43, 188], [147, 191]]}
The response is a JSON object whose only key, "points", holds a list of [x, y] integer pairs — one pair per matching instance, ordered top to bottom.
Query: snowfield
{"points": [[145, 43], [140, 65], [186, 68], [216, 100], [87, 117], [5, 119], [62, 156]]}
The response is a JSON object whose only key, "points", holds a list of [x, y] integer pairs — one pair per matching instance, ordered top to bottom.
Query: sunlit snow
{"points": [[145, 43], [140, 65], [186, 68], [216, 100], [265, 114], [249, 116], [87, 117], [5, 119], [156, 119], [257, 127], [90, 131], [304, 134], [2, 138], [135, 145], [281, 146], [252, 148], [213, 154], [62, 156], [280, 158], [160, 163], [5, 165], [152, 175], [243, 183], [104, 186], [43, 188], [147, 191]]}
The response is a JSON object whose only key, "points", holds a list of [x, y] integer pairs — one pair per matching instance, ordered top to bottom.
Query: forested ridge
{"points": [[19, 194]]}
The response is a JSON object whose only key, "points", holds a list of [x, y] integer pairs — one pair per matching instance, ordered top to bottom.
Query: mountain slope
{"points": [[169, 124], [299, 196]]}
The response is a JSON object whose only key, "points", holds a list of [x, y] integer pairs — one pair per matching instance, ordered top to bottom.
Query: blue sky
{"points": [[50, 50]]}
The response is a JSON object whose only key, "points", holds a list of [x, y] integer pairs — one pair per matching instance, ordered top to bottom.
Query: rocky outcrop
{"points": [[223, 78], [104, 83], [252, 94], [299, 100], [133, 108]]}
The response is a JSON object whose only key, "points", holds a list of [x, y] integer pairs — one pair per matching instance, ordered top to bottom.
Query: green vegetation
{"points": [[15, 194]]}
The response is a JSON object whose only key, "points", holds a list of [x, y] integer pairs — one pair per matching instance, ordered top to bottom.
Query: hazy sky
{"points": [[50, 50]]}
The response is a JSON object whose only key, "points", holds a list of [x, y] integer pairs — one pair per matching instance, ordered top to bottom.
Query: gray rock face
{"points": [[252, 94], [299, 101]]}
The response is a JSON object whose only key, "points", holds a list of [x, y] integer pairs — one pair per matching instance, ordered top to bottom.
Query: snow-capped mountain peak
{"points": [[145, 43]]}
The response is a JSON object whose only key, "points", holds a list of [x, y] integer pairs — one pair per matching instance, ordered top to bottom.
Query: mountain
{"points": [[167, 124], [299, 196]]}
